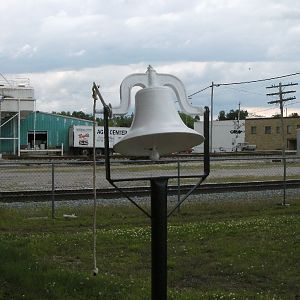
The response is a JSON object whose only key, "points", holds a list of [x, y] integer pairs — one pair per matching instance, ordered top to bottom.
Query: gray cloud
{"points": [[65, 45], [70, 90]]}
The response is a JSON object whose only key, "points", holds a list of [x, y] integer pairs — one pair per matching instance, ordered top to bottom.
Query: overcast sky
{"points": [[62, 46]]}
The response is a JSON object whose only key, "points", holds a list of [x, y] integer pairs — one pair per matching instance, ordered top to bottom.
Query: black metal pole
{"points": [[206, 141], [106, 142], [178, 184], [53, 191], [159, 238]]}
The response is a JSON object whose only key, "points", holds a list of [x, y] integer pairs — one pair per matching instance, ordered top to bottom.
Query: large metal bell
{"points": [[157, 128]]}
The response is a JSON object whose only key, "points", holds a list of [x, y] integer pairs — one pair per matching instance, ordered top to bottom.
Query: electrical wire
{"points": [[257, 80], [244, 82], [199, 91], [244, 91], [292, 103], [272, 108]]}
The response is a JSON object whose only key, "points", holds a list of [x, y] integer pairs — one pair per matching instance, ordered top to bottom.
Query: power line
{"points": [[258, 80], [244, 82], [244, 91], [189, 96], [292, 103], [263, 110]]}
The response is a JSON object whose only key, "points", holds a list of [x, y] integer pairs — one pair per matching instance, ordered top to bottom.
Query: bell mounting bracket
{"points": [[153, 79]]}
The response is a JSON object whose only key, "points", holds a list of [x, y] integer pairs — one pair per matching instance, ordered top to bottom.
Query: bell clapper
{"points": [[154, 154]]}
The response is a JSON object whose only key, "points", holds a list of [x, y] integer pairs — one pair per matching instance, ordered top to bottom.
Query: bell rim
{"points": [[128, 145]]}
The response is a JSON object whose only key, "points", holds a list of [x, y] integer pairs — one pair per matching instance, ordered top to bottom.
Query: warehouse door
{"points": [[40, 138], [292, 144]]}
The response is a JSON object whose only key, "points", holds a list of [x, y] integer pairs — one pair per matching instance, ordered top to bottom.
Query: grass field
{"points": [[230, 250]]}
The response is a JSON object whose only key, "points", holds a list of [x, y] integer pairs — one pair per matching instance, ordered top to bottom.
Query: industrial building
{"points": [[22, 129], [40, 131], [266, 133], [224, 135]]}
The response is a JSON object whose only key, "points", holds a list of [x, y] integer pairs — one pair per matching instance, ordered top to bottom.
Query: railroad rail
{"points": [[41, 156], [60, 195]]}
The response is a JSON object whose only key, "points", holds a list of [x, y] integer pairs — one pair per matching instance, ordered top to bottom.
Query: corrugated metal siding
{"points": [[57, 127], [9, 130]]}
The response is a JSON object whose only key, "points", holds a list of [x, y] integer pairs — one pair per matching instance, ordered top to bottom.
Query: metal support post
{"points": [[106, 113], [211, 115], [19, 129], [206, 141], [178, 184], [53, 193], [159, 238]]}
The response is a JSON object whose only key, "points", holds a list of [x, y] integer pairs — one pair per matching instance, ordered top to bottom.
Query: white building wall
{"points": [[222, 138]]}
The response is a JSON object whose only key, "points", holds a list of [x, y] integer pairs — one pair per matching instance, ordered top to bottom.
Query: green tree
{"points": [[64, 113], [75, 114], [222, 115], [232, 115], [294, 115], [187, 119], [122, 121]]}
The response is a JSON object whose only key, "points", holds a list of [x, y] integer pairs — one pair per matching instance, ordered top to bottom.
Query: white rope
{"points": [[95, 269]]}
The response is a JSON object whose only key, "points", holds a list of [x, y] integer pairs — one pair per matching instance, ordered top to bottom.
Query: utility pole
{"points": [[281, 101], [211, 115], [238, 122]]}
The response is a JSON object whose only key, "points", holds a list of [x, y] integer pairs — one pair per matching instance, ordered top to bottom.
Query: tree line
{"points": [[233, 115], [121, 121], [125, 121]]}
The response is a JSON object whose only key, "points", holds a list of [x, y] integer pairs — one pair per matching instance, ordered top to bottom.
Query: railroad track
{"points": [[59, 195]]}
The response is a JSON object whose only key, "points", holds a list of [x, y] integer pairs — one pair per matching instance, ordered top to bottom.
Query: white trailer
{"points": [[225, 137], [81, 138]]}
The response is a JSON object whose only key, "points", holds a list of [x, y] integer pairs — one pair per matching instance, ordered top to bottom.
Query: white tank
{"points": [[15, 96]]}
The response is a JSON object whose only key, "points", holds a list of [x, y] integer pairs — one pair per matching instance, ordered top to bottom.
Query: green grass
{"points": [[229, 250]]}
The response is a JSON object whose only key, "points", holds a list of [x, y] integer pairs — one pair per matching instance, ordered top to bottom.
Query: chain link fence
{"points": [[77, 176]]}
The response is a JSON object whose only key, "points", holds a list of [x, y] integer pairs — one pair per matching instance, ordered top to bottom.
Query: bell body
{"points": [[157, 128]]}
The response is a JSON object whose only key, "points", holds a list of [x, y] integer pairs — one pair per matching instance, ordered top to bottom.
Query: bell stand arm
{"points": [[107, 113]]}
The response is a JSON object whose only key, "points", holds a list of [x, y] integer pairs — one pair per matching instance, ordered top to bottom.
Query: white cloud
{"points": [[25, 51], [78, 53]]}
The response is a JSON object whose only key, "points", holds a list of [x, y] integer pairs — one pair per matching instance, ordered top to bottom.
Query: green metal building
{"points": [[44, 130]]}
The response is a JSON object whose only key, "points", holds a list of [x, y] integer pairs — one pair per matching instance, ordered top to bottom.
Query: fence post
{"points": [[298, 142], [178, 184], [53, 192]]}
